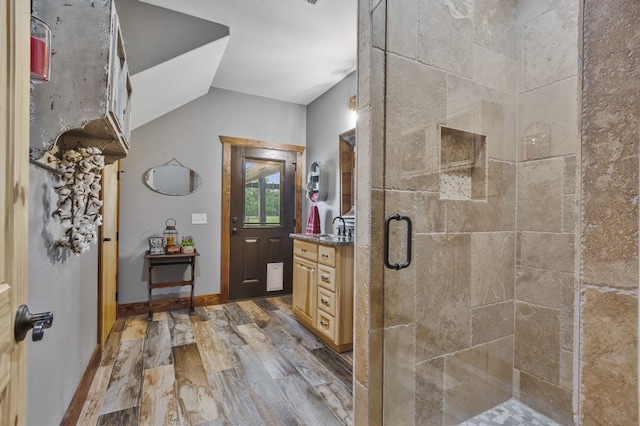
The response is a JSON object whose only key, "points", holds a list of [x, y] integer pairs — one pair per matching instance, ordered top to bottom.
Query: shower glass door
{"points": [[480, 146]]}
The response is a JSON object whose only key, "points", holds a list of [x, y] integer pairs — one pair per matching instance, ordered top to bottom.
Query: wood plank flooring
{"points": [[244, 363]]}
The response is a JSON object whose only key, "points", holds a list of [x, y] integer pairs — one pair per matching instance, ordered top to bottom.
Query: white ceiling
{"points": [[287, 50]]}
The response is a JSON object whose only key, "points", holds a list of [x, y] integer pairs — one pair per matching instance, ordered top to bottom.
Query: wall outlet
{"points": [[198, 218]]}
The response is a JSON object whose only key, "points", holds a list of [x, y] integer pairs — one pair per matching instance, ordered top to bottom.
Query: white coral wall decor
{"points": [[79, 198]]}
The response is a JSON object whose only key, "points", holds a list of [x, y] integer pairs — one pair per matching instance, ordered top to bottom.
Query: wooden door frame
{"points": [[227, 143], [14, 190]]}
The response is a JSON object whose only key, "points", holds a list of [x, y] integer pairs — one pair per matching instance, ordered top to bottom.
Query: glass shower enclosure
{"points": [[474, 140]]}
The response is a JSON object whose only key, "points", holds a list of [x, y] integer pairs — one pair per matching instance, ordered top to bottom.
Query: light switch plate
{"points": [[198, 218]]}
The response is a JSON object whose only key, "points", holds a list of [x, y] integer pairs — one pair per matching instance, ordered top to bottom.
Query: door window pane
{"points": [[262, 201]]}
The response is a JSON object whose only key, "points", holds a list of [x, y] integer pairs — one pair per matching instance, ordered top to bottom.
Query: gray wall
{"points": [[327, 117], [191, 135], [68, 287]]}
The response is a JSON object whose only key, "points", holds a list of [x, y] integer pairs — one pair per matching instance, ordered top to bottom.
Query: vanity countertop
{"points": [[328, 239]]}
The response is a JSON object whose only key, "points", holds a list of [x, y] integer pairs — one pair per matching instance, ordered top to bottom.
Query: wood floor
{"points": [[244, 363]]}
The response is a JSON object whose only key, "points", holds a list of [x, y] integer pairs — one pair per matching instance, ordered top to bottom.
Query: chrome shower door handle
{"points": [[397, 266]]}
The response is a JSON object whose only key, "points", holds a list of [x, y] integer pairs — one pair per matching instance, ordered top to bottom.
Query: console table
{"points": [[156, 260]]}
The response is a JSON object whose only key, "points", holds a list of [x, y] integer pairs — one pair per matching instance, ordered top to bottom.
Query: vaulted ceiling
{"points": [[289, 50]]}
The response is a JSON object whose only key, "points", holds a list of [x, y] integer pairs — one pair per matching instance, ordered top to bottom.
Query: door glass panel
{"points": [[481, 137], [262, 200]]}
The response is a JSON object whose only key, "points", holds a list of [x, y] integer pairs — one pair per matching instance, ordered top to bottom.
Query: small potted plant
{"points": [[187, 243]]}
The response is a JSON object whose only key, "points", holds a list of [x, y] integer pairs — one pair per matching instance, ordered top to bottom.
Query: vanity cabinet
{"points": [[87, 101], [323, 291]]}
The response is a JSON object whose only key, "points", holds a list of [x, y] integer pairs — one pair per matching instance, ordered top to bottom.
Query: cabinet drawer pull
{"points": [[303, 250], [324, 256], [306, 268], [325, 278], [324, 301], [324, 323]]}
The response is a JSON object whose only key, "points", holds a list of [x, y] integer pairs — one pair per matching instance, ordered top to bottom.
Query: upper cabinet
{"points": [[87, 100]]}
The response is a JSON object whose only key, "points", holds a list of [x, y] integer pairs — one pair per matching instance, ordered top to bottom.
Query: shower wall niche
{"points": [[463, 160]]}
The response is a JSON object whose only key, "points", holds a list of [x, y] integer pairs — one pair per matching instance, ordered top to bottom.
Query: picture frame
{"points": [[156, 245]]}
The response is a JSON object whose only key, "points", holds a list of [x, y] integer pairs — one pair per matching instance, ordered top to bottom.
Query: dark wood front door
{"points": [[262, 215]]}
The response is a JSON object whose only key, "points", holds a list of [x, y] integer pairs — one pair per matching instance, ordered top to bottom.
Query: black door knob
{"points": [[26, 321]]}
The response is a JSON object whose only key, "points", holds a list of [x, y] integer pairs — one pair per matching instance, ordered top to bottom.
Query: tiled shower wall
{"points": [[548, 140], [491, 284], [608, 358]]}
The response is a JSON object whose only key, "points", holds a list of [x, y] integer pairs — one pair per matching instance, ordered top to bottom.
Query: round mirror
{"points": [[172, 179]]}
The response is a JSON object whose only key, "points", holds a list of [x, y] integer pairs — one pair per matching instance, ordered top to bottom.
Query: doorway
{"points": [[261, 207]]}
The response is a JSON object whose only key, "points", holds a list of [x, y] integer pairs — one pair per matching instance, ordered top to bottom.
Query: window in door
{"points": [[262, 198]]}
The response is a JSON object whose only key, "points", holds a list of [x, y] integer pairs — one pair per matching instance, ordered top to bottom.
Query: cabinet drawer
{"points": [[305, 250], [327, 255], [327, 277], [327, 301], [326, 325]]}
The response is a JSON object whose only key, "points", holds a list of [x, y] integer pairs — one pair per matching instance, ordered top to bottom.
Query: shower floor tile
{"points": [[510, 413]]}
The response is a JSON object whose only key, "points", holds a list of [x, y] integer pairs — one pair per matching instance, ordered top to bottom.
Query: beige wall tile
{"points": [[531, 9], [450, 21], [379, 24], [495, 25], [402, 27], [549, 47], [495, 70], [555, 105], [377, 120], [412, 140], [610, 145], [569, 179], [540, 195], [430, 213], [569, 213], [546, 251], [376, 264], [492, 267], [542, 286], [443, 293], [569, 301], [491, 322], [537, 344], [609, 358], [500, 368], [566, 370], [399, 375], [467, 390], [429, 392], [550, 400], [361, 404]]}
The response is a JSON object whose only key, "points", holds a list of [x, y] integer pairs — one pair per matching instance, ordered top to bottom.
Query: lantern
{"points": [[40, 50], [170, 235]]}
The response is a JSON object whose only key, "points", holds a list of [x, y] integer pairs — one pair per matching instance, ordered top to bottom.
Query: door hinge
{"points": [[295, 166], [117, 236], [116, 296]]}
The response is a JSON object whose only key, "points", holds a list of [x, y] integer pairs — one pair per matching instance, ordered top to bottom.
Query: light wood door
{"points": [[14, 213], [108, 270]]}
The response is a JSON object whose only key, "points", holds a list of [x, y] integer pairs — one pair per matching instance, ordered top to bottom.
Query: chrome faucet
{"points": [[342, 232]]}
